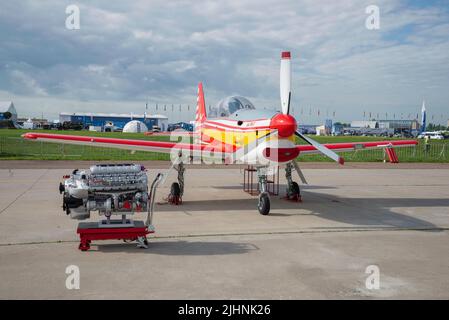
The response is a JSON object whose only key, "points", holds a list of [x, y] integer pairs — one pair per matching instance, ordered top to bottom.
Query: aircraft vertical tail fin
{"points": [[200, 105], [200, 116]]}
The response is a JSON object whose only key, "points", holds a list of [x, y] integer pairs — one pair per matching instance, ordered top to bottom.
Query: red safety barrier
{"points": [[392, 156]]}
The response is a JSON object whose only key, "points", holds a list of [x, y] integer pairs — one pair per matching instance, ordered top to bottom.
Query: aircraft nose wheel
{"points": [[264, 204]]}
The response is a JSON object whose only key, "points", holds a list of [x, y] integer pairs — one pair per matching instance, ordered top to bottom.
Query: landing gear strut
{"points": [[293, 191], [264, 199]]}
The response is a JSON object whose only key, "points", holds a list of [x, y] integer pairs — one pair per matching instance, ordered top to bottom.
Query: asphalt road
{"points": [[216, 245]]}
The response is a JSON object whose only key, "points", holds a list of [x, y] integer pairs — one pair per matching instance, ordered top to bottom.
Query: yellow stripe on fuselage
{"points": [[237, 138]]}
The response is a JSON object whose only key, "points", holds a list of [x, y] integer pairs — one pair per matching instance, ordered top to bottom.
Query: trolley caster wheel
{"points": [[264, 204], [142, 243], [84, 246]]}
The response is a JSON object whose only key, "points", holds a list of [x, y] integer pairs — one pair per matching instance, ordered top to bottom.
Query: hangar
{"points": [[118, 120]]}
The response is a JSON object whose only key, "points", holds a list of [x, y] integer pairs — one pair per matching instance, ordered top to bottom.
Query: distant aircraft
{"points": [[242, 134]]}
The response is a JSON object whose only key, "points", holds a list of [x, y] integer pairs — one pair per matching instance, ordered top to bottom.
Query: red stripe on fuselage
{"points": [[215, 125]]}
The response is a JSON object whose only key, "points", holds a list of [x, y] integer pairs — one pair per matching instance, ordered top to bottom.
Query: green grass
{"points": [[14, 147]]}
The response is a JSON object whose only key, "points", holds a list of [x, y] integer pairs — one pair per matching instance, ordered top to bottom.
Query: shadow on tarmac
{"points": [[358, 212], [180, 248]]}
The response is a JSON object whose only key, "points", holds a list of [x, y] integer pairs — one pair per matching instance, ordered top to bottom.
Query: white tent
{"points": [[29, 124], [135, 126]]}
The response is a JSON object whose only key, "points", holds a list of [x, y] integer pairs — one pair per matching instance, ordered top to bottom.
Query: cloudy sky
{"points": [[126, 52]]}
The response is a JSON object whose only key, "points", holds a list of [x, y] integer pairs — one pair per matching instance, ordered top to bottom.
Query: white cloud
{"points": [[233, 47], [27, 83]]}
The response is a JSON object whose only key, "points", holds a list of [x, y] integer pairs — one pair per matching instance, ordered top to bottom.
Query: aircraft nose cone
{"points": [[285, 124]]}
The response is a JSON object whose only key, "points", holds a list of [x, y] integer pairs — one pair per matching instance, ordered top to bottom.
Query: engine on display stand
{"points": [[111, 190]]}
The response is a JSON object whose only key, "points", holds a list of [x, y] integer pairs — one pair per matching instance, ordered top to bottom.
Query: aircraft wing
{"points": [[130, 144], [354, 146]]}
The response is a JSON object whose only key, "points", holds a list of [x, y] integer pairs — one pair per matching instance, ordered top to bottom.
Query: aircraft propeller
{"points": [[285, 92]]}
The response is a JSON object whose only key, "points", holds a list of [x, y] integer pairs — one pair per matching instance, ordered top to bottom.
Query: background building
{"points": [[8, 115], [118, 120], [364, 124], [397, 125]]}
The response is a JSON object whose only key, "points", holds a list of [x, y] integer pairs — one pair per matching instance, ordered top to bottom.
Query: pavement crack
{"points": [[21, 194], [209, 235]]}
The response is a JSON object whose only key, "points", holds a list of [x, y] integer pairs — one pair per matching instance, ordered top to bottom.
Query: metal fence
{"points": [[18, 148], [433, 152]]}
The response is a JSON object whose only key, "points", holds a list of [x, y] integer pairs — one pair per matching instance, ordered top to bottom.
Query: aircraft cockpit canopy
{"points": [[231, 104]]}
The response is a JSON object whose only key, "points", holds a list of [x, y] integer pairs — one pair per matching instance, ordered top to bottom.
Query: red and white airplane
{"points": [[240, 134]]}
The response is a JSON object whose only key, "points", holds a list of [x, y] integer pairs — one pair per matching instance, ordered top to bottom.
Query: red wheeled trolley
{"points": [[124, 229], [90, 231]]}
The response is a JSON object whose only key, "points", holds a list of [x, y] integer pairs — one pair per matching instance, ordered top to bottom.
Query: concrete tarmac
{"points": [[216, 244]]}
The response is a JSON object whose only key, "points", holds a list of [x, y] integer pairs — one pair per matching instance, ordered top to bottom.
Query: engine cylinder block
{"points": [[108, 189]]}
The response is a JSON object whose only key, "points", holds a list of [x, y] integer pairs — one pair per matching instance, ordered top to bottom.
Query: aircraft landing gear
{"points": [[177, 188], [293, 191], [264, 199], [264, 204]]}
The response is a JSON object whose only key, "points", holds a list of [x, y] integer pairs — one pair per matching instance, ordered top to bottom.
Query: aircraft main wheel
{"points": [[295, 189], [175, 190], [175, 194], [264, 204]]}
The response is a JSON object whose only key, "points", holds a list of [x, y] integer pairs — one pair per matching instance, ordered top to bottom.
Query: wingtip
{"points": [[28, 135], [341, 160]]}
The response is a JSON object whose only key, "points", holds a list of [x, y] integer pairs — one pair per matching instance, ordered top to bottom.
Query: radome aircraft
{"points": [[241, 134]]}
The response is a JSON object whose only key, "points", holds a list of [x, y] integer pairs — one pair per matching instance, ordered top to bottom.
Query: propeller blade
{"points": [[285, 82], [327, 152], [300, 174]]}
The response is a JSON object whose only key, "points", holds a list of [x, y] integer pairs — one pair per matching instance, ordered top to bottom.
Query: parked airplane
{"points": [[242, 134]]}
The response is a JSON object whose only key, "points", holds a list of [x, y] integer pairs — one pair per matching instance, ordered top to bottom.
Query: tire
{"points": [[295, 188], [175, 190], [264, 204]]}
